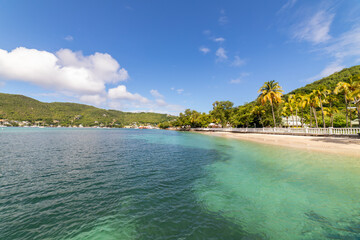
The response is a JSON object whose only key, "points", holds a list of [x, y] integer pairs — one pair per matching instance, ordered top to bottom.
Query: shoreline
{"points": [[334, 145]]}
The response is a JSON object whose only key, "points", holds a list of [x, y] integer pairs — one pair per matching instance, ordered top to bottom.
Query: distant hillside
{"points": [[330, 81], [22, 108]]}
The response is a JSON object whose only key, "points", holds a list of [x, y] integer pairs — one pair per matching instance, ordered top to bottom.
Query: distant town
{"points": [[56, 124]]}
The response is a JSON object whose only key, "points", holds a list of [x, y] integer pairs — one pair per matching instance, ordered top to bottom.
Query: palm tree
{"points": [[344, 87], [271, 92], [321, 94], [356, 95], [350, 99], [292, 100], [306, 102], [314, 102], [297, 103], [303, 103], [357, 103], [258, 111], [287, 111], [330, 111]]}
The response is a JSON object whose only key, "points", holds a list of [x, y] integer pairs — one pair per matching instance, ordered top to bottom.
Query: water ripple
{"points": [[133, 184]]}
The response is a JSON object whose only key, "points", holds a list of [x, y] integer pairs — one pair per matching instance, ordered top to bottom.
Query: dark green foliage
{"points": [[330, 81], [22, 108], [222, 112], [255, 114], [192, 118], [164, 125]]}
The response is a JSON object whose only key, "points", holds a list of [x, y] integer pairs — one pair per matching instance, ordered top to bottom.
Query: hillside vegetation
{"points": [[330, 81], [332, 101], [22, 108]]}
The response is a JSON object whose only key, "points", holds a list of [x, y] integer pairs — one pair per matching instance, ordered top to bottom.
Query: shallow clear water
{"points": [[153, 184]]}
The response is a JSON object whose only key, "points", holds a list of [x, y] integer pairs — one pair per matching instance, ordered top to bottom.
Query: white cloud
{"points": [[289, 4], [223, 19], [315, 29], [206, 32], [69, 38], [219, 39], [347, 45], [204, 50], [221, 54], [238, 62], [65, 70], [328, 70], [85, 78], [240, 79], [236, 81], [180, 90], [121, 93], [50, 94], [156, 94], [93, 99], [121, 99], [161, 102]]}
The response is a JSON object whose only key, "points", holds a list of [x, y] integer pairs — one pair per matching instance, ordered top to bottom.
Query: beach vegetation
{"points": [[271, 92], [336, 99]]}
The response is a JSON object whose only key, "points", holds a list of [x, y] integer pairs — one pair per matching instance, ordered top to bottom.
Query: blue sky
{"points": [[165, 56]]}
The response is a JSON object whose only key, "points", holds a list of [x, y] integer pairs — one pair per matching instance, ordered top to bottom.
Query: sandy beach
{"points": [[336, 145]]}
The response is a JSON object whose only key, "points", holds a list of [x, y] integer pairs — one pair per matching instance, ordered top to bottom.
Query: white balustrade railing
{"points": [[295, 131]]}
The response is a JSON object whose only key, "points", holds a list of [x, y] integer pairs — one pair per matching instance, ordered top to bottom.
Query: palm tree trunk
{"points": [[357, 104], [346, 105], [272, 109], [358, 110], [314, 111], [322, 111], [332, 116], [292, 117], [302, 117], [296, 118], [310, 118], [350, 118], [287, 119]]}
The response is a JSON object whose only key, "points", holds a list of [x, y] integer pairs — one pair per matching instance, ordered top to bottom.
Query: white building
{"points": [[291, 121], [355, 122]]}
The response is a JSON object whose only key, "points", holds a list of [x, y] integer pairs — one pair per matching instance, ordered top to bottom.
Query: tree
{"points": [[344, 87], [270, 92], [321, 94], [356, 94], [294, 101], [304, 102], [314, 102], [222, 111], [258, 111], [287, 111], [331, 111], [242, 116], [204, 120]]}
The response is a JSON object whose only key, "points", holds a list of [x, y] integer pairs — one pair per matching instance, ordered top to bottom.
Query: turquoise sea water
{"points": [[154, 184]]}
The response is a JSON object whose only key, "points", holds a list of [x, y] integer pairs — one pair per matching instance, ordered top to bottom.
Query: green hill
{"points": [[330, 81], [22, 108]]}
